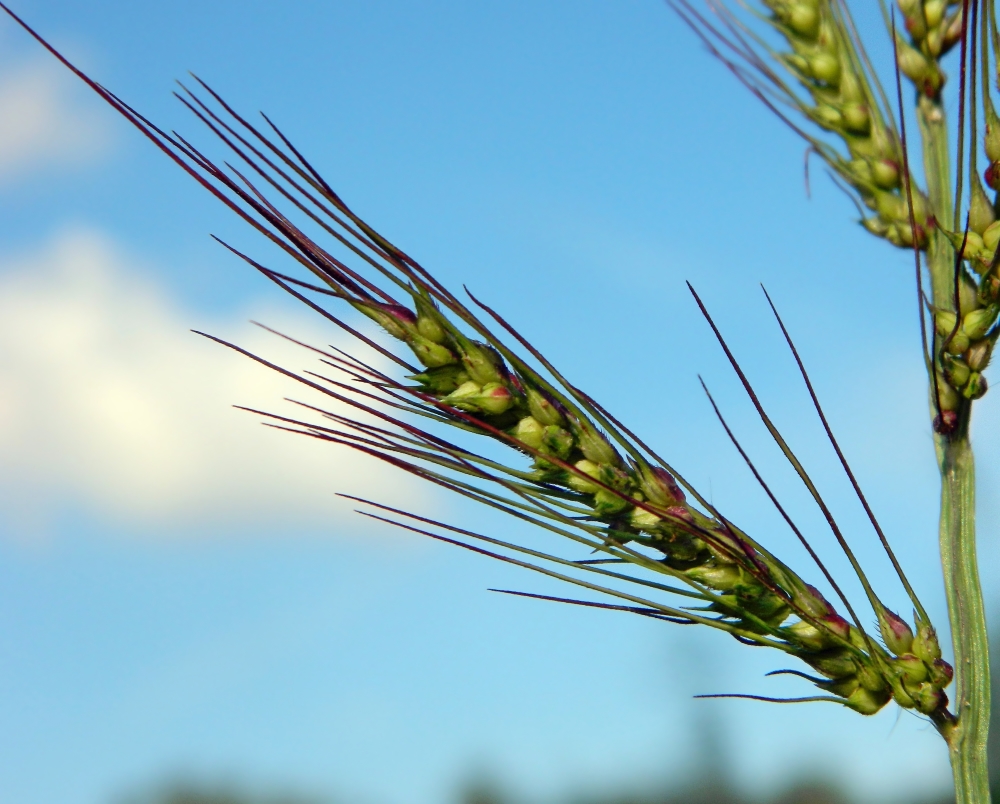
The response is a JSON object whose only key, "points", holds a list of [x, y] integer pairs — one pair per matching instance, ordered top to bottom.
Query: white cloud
{"points": [[42, 123], [107, 401]]}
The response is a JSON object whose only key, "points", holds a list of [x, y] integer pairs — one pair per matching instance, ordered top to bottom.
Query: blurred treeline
{"points": [[708, 782], [703, 792]]}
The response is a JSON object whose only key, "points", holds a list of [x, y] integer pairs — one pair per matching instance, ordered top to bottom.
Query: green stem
{"points": [[967, 735], [966, 738]]}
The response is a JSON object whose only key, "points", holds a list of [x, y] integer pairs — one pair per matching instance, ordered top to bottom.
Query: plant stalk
{"points": [[967, 735], [967, 738]]}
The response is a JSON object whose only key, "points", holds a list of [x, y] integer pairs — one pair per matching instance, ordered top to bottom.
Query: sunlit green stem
{"points": [[966, 737]]}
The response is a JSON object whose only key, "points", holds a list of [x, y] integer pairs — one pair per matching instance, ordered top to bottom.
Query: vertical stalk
{"points": [[967, 736]]}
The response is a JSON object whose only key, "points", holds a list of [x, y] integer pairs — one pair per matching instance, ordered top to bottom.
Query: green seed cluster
{"points": [[934, 26], [826, 63], [965, 334], [966, 337], [966, 347], [633, 501], [636, 502], [910, 671], [918, 675]]}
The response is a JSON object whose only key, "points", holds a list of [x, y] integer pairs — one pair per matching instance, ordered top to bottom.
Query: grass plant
{"points": [[462, 376]]}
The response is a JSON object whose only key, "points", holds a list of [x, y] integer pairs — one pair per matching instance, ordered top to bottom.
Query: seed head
{"points": [[934, 12], [803, 20], [916, 26], [952, 32], [915, 66], [825, 67], [856, 118], [991, 140], [885, 173], [992, 175], [981, 213], [877, 226], [991, 236], [395, 319], [977, 323], [429, 327], [431, 354], [978, 356], [482, 363], [957, 373], [442, 380], [975, 387], [460, 396], [948, 397], [494, 399], [543, 409], [530, 431], [557, 441], [593, 445], [588, 468], [659, 486], [608, 504], [641, 519], [724, 577], [812, 602], [837, 624], [897, 635], [809, 636], [925, 645], [835, 663], [910, 669], [941, 673], [871, 677], [842, 687], [929, 698], [868, 702]]}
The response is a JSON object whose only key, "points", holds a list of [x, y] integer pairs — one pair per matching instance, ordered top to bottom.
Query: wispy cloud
{"points": [[42, 124], [109, 403]]}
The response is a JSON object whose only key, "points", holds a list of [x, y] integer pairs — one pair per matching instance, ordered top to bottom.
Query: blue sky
{"points": [[181, 593]]}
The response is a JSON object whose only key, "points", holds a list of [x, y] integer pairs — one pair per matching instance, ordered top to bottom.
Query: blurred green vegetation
{"points": [[705, 781], [708, 782], [805, 792], [199, 793], [701, 793]]}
